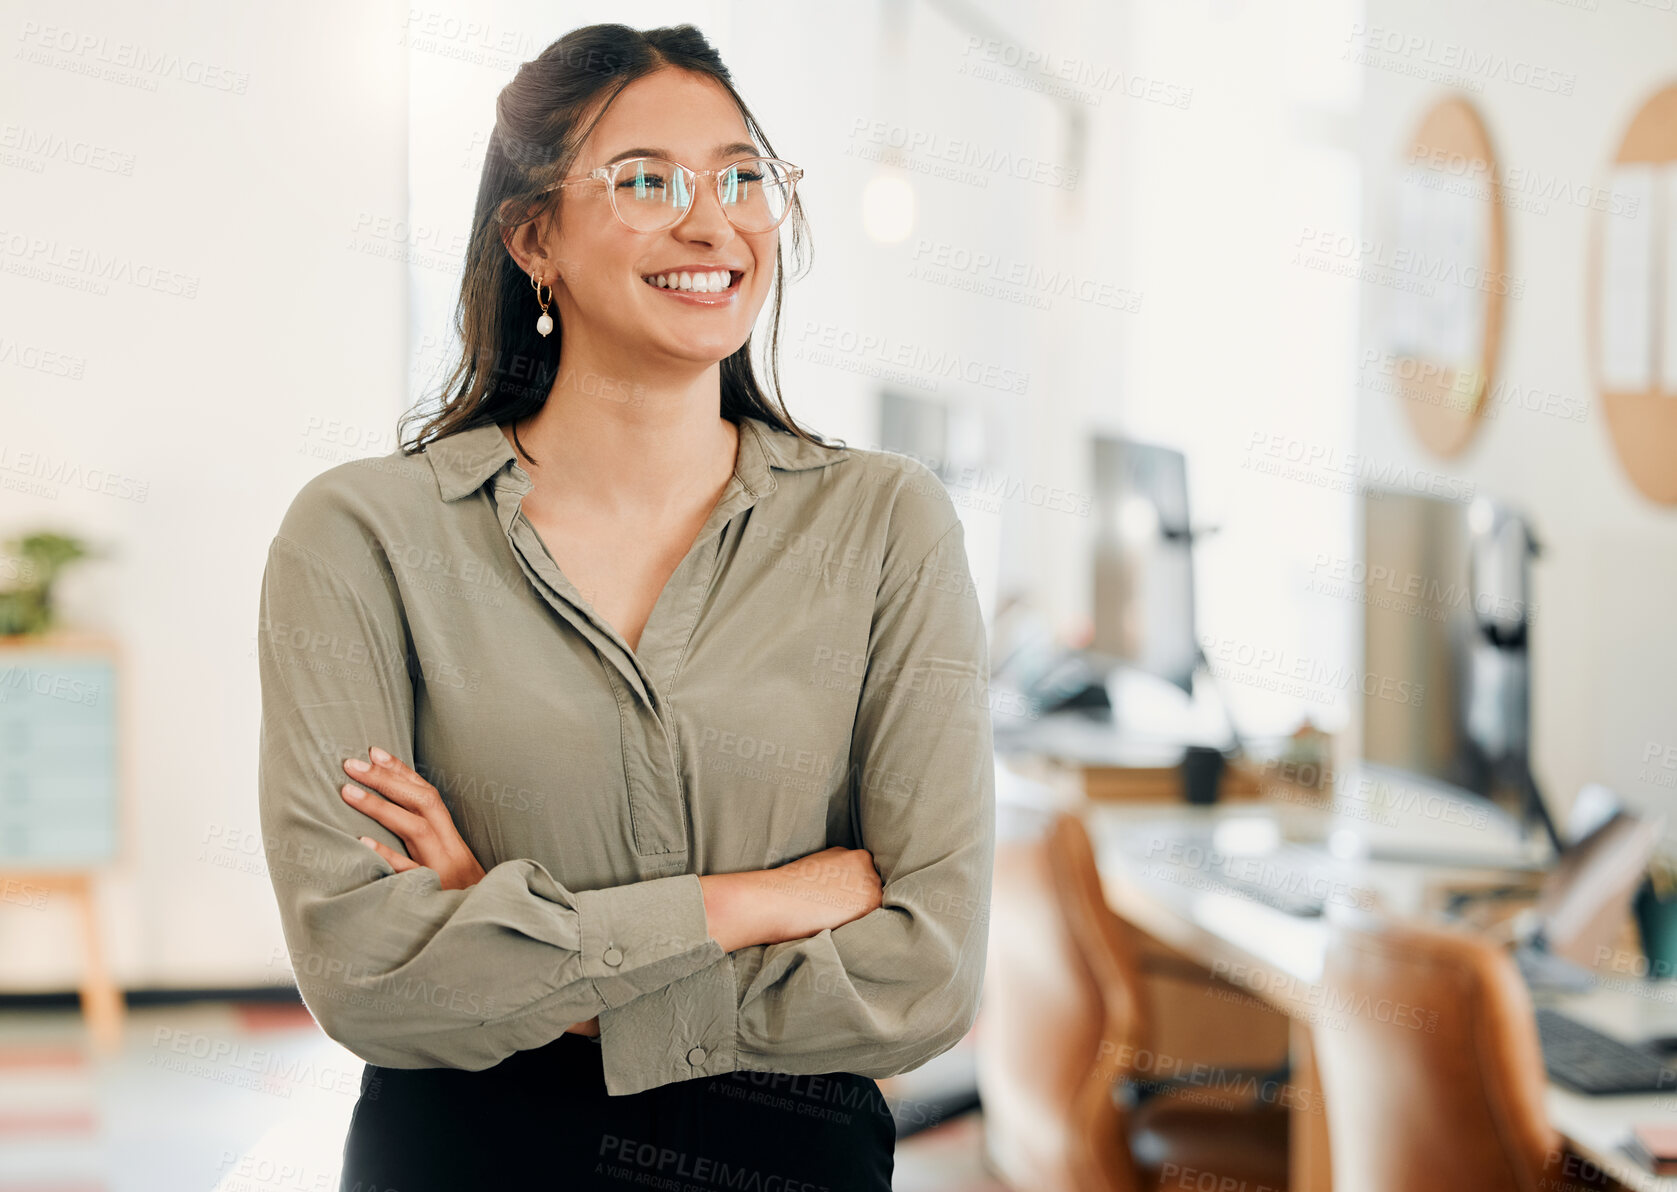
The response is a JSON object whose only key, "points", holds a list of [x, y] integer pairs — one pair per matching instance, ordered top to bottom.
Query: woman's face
{"points": [[602, 298]]}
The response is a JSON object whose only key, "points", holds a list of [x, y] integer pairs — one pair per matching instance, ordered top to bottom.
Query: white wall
{"points": [[266, 205], [1238, 352], [1604, 653]]}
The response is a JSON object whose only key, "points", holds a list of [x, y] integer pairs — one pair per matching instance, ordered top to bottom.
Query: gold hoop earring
{"points": [[544, 325]]}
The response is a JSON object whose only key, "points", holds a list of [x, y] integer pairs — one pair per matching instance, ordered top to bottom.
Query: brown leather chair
{"points": [[1063, 1022], [1431, 1071]]}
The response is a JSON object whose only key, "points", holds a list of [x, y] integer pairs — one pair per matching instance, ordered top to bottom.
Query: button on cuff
{"points": [[641, 936], [652, 1040], [696, 1056]]}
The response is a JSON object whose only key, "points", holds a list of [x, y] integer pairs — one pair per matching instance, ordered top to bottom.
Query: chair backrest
{"points": [[1059, 1018], [1431, 1072]]}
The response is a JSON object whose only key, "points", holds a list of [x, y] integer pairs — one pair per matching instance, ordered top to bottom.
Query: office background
{"points": [[320, 212], [232, 239]]}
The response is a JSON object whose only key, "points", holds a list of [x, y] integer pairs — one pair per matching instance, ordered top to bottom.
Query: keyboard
{"points": [[1280, 879], [1300, 906], [1587, 1061]]}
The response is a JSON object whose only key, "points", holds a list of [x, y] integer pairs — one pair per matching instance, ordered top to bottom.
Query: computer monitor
{"points": [[1144, 570], [1446, 673]]}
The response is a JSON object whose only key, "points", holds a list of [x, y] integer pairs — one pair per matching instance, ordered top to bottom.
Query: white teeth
{"points": [[713, 282]]}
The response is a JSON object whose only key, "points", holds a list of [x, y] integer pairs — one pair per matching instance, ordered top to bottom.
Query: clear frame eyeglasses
{"points": [[650, 194]]}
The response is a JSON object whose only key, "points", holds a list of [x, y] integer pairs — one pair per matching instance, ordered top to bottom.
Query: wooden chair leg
{"points": [[101, 1000], [1307, 1140]]}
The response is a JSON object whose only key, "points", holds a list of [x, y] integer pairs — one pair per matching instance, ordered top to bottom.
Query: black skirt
{"points": [[542, 1119]]}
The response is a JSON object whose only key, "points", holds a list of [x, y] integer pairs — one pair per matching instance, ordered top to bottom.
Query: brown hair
{"points": [[506, 369]]}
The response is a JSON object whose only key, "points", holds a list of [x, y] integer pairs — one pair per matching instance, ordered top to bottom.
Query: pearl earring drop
{"points": [[544, 325]]}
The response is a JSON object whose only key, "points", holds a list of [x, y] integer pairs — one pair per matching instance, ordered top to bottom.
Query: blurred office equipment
{"points": [[1144, 567], [1143, 595], [1145, 635], [1446, 675], [1136, 680], [1447, 719], [1247, 857], [1155, 877], [1586, 895], [1582, 903], [1580, 908], [1589, 1061], [1444, 1090], [1073, 1100]]}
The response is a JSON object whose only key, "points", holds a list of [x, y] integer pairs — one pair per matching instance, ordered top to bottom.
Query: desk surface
{"points": [[1279, 957]]}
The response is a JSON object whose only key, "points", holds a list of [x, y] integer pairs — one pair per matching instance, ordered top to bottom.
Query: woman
{"points": [[696, 840]]}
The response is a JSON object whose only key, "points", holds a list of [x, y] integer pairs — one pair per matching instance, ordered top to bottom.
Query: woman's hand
{"points": [[412, 809]]}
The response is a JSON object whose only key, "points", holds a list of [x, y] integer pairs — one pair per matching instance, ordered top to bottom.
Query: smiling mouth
{"points": [[715, 281]]}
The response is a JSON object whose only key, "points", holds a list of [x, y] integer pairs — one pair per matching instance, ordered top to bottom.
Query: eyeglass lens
{"points": [[653, 193]]}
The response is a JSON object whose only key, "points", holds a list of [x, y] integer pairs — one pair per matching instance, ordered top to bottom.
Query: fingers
{"points": [[395, 781], [402, 822], [397, 862]]}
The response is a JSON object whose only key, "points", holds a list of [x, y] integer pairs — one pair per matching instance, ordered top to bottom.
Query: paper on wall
{"points": [[1462, 218], [1437, 279], [1627, 282], [1668, 304], [1437, 307], [1405, 318]]}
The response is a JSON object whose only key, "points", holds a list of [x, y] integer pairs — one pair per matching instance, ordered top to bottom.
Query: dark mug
{"points": [[1202, 773]]}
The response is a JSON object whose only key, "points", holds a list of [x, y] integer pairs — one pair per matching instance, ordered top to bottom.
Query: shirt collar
{"points": [[464, 460]]}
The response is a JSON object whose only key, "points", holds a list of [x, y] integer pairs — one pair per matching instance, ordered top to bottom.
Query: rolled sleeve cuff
{"points": [[640, 937], [687, 1029]]}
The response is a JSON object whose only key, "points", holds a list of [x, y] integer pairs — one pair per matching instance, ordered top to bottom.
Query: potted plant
{"points": [[26, 601]]}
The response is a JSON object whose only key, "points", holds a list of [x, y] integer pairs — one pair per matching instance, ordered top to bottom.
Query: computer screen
{"points": [[1144, 570], [1445, 678]]}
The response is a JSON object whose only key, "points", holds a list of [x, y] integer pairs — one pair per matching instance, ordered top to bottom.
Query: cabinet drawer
{"points": [[58, 758], [57, 839]]}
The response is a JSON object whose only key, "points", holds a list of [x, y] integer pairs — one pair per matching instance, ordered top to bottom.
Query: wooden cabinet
{"points": [[61, 778]]}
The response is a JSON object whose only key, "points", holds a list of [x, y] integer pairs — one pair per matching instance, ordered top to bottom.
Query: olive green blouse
{"points": [[815, 672]]}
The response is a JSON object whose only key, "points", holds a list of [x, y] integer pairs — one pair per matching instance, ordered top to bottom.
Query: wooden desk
{"points": [[1141, 773], [1278, 959]]}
